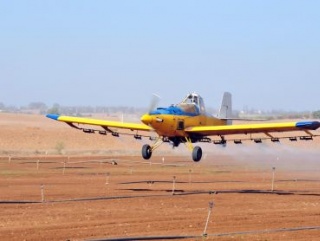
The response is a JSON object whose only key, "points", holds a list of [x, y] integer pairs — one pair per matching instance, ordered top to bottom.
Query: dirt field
{"points": [[80, 194]]}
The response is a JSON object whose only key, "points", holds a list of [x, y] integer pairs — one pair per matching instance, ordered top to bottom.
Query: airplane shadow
{"points": [[197, 182], [242, 191]]}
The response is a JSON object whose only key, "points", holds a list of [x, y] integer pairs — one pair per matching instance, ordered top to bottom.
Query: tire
{"points": [[146, 152], [196, 154]]}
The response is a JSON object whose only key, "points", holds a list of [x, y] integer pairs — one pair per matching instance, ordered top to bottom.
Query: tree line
{"points": [[42, 108]]}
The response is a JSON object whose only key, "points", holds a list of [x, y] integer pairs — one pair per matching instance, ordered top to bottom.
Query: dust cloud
{"points": [[266, 155]]}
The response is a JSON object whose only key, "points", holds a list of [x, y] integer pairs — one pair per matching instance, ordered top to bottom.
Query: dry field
{"points": [[57, 183]]}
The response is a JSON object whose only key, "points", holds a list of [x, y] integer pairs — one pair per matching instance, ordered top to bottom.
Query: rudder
{"points": [[225, 111]]}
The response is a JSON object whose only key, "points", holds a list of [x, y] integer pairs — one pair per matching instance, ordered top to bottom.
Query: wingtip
{"points": [[53, 116], [310, 125]]}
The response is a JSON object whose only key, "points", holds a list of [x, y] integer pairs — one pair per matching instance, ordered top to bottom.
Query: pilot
{"points": [[195, 100]]}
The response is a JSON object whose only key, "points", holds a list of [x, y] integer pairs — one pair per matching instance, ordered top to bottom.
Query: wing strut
{"points": [[74, 126], [107, 129], [308, 132], [268, 134]]}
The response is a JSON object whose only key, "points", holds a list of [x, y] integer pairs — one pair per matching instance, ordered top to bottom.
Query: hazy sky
{"points": [[267, 53]]}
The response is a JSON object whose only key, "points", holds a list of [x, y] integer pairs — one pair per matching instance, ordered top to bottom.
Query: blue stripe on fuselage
{"points": [[172, 110]]}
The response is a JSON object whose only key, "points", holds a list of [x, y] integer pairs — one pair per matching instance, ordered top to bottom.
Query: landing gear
{"points": [[146, 151], [196, 153]]}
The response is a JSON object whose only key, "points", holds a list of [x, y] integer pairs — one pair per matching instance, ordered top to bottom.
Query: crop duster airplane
{"points": [[188, 123]]}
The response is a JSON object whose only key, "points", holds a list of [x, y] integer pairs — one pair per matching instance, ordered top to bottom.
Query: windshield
{"points": [[193, 103]]}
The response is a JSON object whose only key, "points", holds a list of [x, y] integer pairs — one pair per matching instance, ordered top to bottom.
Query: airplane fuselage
{"points": [[174, 125]]}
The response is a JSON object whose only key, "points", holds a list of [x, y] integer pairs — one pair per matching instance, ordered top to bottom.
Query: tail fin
{"points": [[225, 111]]}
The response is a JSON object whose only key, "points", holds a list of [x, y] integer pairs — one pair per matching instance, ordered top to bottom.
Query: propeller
{"points": [[154, 102]]}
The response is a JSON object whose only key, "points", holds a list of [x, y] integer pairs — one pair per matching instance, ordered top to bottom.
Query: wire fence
{"points": [[172, 237]]}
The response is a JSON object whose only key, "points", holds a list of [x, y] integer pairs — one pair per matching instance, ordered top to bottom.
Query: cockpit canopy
{"points": [[193, 103]]}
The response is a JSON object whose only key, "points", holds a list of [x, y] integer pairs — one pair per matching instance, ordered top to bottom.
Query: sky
{"points": [[118, 53]]}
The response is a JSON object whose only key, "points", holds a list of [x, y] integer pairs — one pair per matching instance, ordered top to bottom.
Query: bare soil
{"points": [[81, 194]]}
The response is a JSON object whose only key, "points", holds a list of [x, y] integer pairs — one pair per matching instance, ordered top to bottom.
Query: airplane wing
{"points": [[70, 120], [253, 128]]}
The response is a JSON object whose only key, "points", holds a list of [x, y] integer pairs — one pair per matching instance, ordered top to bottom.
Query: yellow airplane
{"points": [[188, 123]]}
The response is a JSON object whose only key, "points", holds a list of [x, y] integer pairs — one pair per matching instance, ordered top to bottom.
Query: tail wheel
{"points": [[146, 152], [196, 153]]}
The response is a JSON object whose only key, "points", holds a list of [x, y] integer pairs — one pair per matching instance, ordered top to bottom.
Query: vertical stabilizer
{"points": [[225, 111]]}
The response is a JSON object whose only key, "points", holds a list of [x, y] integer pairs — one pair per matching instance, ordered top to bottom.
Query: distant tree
{"points": [[2, 106], [37, 106], [40, 106], [55, 109], [316, 114]]}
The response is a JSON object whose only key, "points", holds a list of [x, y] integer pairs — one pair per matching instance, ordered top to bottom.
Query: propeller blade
{"points": [[154, 102]]}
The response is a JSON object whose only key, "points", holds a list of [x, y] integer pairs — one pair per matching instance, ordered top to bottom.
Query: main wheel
{"points": [[146, 151], [197, 153]]}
